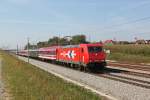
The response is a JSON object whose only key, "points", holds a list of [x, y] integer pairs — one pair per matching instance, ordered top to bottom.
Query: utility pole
{"points": [[89, 38], [58, 41], [28, 48], [17, 51]]}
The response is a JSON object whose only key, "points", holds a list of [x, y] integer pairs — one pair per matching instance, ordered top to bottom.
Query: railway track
{"points": [[130, 66], [108, 73], [137, 74], [140, 74], [127, 80], [137, 82]]}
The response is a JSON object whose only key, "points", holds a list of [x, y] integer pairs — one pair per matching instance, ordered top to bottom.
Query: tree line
{"points": [[61, 41]]}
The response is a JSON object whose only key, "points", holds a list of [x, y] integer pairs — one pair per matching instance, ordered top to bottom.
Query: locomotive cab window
{"points": [[94, 49]]}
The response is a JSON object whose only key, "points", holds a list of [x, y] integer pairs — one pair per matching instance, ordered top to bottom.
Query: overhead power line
{"points": [[129, 22]]}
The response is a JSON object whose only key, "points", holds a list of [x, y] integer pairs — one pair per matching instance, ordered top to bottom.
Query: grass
{"points": [[130, 53], [128, 58], [27, 82]]}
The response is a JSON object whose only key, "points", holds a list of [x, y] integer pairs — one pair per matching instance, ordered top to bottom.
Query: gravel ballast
{"points": [[119, 90]]}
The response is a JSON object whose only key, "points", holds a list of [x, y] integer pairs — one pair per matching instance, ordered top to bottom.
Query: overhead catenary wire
{"points": [[132, 21], [129, 22]]}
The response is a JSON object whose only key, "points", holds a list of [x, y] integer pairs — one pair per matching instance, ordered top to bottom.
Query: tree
{"points": [[77, 39], [53, 41], [63, 41], [42, 44], [31, 46]]}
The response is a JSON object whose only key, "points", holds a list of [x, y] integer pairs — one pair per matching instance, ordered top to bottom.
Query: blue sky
{"points": [[97, 19]]}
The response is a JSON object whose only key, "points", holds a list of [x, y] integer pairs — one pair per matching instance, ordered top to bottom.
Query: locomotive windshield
{"points": [[94, 49]]}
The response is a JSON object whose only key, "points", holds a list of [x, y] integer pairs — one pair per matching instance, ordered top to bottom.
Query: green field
{"points": [[129, 53], [27, 82]]}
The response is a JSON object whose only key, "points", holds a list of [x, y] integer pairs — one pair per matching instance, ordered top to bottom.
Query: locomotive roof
{"points": [[92, 44], [70, 46], [75, 46]]}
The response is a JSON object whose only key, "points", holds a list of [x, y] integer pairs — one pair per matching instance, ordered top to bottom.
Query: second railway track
{"points": [[130, 66]]}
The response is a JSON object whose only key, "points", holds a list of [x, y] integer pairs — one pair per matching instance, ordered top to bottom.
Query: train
{"points": [[82, 56]]}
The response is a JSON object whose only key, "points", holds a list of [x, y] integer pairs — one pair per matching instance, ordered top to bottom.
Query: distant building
{"points": [[140, 41], [147, 41], [108, 42], [111, 42], [123, 42]]}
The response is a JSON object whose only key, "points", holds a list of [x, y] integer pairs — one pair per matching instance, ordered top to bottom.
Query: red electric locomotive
{"points": [[84, 55]]}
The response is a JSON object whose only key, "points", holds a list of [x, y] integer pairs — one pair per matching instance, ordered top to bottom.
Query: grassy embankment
{"points": [[130, 53], [26, 82]]}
